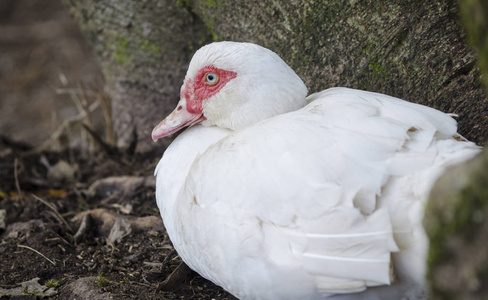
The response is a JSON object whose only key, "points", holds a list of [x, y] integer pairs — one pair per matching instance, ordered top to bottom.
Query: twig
{"points": [[71, 91], [106, 104], [84, 105], [57, 133], [133, 143], [109, 149], [17, 185], [55, 211], [85, 226], [112, 245], [27, 247], [168, 256], [174, 280], [138, 283]]}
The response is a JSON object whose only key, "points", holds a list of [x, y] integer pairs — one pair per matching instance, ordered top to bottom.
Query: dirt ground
{"points": [[78, 218]]}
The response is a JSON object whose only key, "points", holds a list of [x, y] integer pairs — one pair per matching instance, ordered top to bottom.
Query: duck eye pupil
{"points": [[210, 77]]}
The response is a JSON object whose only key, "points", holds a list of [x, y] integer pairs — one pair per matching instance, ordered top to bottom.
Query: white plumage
{"points": [[300, 203]]}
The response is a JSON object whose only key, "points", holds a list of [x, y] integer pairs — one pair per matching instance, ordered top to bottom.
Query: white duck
{"points": [[273, 198]]}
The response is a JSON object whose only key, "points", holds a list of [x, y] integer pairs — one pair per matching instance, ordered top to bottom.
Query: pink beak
{"points": [[178, 119]]}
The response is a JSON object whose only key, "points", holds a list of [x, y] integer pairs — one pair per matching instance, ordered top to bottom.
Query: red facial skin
{"points": [[198, 89], [195, 91]]}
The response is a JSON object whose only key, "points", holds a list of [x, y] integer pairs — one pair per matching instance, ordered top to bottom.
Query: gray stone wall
{"points": [[415, 50]]}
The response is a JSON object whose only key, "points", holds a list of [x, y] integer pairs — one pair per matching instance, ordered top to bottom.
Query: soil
{"points": [[47, 217], [76, 222]]}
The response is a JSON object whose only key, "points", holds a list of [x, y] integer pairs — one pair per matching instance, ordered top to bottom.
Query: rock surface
{"points": [[144, 48], [408, 49], [456, 218], [457, 224], [84, 288]]}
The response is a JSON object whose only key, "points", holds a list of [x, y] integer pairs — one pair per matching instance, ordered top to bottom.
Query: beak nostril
{"points": [[179, 108]]}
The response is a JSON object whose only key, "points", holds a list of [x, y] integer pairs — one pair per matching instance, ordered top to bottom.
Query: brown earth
{"points": [[78, 216], [103, 240]]}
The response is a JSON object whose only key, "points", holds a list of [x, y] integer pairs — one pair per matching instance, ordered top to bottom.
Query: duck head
{"points": [[233, 85]]}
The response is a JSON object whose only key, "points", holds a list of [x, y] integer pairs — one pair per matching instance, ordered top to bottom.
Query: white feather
{"points": [[313, 202]]}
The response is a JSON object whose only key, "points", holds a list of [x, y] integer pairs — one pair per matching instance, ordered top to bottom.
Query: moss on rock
{"points": [[475, 18], [144, 48], [410, 49], [456, 218], [456, 221]]}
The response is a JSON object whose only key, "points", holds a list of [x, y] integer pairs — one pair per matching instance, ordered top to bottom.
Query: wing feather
{"points": [[300, 192]]}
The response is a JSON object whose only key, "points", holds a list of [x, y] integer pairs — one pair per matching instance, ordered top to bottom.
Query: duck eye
{"points": [[211, 78]]}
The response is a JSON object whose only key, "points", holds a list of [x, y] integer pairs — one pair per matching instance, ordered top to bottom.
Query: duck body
{"points": [[322, 201]]}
